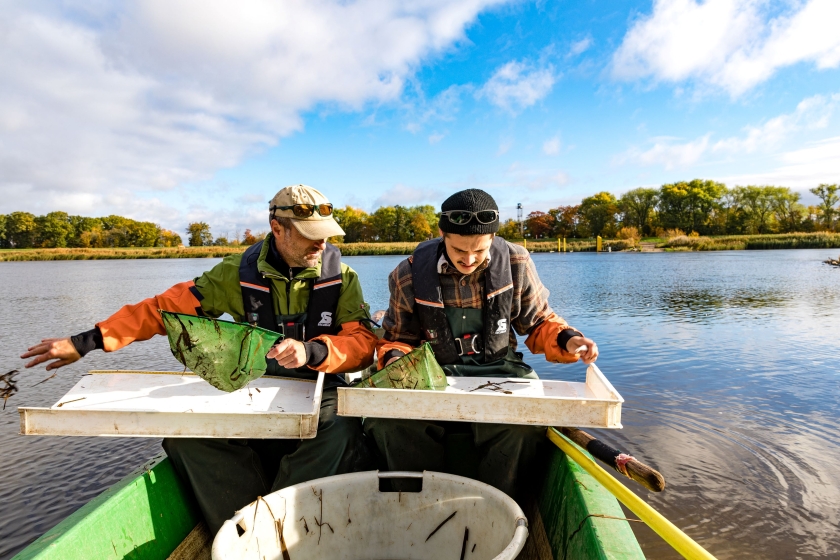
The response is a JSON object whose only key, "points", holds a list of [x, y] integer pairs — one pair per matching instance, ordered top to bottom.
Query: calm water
{"points": [[728, 363]]}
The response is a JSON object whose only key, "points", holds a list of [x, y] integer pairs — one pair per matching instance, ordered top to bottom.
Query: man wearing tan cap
{"points": [[292, 282]]}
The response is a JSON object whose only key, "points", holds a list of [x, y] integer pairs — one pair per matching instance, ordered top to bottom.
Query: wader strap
{"points": [[256, 291], [498, 295], [323, 299], [428, 301]]}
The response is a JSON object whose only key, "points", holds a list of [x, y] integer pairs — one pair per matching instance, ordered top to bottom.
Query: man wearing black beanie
{"points": [[466, 293]]}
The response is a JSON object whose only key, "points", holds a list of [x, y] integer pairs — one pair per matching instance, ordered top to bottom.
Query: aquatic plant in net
{"points": [[227, 355], [416, 370]]}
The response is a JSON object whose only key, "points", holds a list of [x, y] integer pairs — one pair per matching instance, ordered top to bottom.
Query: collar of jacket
{"points": [[267, 270]]}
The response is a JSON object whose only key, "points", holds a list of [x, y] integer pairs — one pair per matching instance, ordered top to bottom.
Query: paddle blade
{"points": [[227, 355]]}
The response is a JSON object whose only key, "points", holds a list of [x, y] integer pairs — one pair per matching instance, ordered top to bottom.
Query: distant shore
{"points": [[819, 240]]}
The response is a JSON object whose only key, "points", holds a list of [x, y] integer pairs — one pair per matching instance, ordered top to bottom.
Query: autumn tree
{"points": [[828, 196], [758, 204], [690, 206], [638, 207], [599, 212], [788, 212], [567, 221], [354, 222], [539, 224], [509, 229], [20, 230], [53, 230], [199, 234], [169, 238], [248, 238]]}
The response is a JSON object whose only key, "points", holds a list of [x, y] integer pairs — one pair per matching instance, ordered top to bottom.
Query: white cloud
{"points": [[730, 44], [578, 47], [518, 85], [102, 103], [442, 107], [812, 113], [436, 137], [551, 147], [666, 152], [800, 169], [533, 179], [405, 195]]}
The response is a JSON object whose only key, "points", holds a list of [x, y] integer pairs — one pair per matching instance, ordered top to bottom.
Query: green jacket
{"points": [[221, 292]]}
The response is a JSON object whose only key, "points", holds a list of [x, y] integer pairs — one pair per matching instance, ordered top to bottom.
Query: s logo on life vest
{"points": [[326, 319], [501, 326]]}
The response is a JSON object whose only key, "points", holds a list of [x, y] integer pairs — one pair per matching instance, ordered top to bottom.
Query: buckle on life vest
{"points": [[295, 331], [469, 344]]}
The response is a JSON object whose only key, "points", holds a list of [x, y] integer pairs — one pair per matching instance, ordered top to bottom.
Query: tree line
{"points": [[698, 207], [701, 207], [387, 223], [22, 230]]}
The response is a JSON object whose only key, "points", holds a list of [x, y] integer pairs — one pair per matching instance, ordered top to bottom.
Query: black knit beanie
{"points": [[473, 200]]}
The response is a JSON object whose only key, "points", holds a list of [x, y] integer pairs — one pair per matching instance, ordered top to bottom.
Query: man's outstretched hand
{"points": [[586, 347], [59, 349], [289, 353]]}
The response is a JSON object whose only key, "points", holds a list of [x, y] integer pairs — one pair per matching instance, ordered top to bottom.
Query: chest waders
{"points": [[319, 318], [468, 342]]}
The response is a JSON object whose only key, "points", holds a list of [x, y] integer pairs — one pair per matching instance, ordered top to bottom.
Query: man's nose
{"points": [[320, 244]]}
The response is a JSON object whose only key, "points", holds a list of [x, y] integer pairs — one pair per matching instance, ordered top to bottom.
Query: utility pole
{"points": [[519, 218]]}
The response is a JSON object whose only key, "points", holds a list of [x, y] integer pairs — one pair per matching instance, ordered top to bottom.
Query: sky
{"points": [[183, 110]]}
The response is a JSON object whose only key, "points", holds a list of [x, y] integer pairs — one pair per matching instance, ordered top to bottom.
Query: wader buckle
{"points": [[295, 331], [469, 344]]}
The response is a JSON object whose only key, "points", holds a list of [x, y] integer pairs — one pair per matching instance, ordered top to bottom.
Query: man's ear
{"points": [[278, 230], [440, 233]]}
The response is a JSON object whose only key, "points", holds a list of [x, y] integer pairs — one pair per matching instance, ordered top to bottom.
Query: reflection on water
{"points": [[728, 363]]}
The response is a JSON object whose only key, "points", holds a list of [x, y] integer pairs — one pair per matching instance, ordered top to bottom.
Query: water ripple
{"points": [[728, 363]]}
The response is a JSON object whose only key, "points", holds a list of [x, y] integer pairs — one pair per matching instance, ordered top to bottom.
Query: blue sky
{"points": [[184, 110]]}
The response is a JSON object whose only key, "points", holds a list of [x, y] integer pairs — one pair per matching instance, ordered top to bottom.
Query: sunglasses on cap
{"points": [[306, 210], [462, 217]]}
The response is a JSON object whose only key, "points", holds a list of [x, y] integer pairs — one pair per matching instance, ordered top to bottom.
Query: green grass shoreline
{"points": [[681, 243]]}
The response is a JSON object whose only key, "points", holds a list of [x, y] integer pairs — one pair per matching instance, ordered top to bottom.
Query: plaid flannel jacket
{"points": [[530, 313]]}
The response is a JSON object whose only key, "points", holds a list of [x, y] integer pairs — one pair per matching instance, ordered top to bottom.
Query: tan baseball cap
{"points": [[315, 226]]}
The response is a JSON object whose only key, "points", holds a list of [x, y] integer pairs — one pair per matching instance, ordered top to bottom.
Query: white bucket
{"points": [[347, 517]]}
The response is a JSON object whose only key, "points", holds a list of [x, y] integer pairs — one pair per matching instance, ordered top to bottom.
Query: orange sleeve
{"points": [[141, 321], [543, 340], [384, 346], [349, 350]]}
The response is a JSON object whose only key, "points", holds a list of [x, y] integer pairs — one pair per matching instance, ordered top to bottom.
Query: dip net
{"points": [[227, 355], [416, 370]]}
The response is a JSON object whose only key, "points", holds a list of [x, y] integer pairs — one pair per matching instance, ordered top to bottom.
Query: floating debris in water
{"points": [[10, 387]]}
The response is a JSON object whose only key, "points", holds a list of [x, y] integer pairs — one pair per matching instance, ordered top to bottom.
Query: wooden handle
{"points": [[638, 471]]}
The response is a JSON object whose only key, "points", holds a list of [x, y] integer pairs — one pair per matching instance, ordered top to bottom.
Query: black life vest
{"points": [[323, 298], [498, 298]]}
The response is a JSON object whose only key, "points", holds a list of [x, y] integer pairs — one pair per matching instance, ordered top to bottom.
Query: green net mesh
{"points": [[228, 355], [416, 370]]}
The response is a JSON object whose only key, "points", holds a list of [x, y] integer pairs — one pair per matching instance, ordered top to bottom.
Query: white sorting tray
{"points": [[538, 402], [174, 404]]}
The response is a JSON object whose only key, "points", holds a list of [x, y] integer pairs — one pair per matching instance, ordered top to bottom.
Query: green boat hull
{"points": [[150, 515]]}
